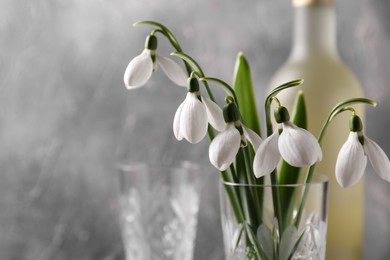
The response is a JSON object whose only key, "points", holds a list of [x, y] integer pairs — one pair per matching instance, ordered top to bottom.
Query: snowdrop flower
{"points": [[140, 68], [193, 115], [297, 146], [224, 147], [352, 159]]}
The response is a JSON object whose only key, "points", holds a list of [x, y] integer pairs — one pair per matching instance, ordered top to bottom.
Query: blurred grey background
{"points": [[66, 118]]}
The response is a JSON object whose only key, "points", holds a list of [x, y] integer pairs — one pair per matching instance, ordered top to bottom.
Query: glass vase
{"points": [[159, 210], [287, 222]]}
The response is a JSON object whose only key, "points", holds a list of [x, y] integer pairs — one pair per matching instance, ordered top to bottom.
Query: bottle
{"points": [[327, 81]]}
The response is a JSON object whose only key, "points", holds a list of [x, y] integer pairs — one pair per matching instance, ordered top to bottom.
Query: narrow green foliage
{"points": [[245, 96], [299, 112]]}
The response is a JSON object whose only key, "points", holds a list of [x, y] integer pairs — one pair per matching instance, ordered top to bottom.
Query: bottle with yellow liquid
{"points": [[327, 81]]}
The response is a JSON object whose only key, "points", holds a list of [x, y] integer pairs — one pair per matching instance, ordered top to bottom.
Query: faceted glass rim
{"points": [[158, 172], [317, 179]]}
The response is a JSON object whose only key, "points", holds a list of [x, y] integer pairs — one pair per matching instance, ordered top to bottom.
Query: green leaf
{"points": [[244, 91], [245, 98], [299, 113], [289, 174]]}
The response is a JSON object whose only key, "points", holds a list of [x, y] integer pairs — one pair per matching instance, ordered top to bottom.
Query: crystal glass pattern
{"points": [[159, 210], [305, 240]]}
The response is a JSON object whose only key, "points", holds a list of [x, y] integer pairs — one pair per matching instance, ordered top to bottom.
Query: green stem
{"points": [[163, 28], [169, 35], [198, 70], [289, 84], [225, 86], [271, 97], [341, 107], [274, 177], [252, 181], [274, 181], [304, 195], [233, 197], [251, 236]]}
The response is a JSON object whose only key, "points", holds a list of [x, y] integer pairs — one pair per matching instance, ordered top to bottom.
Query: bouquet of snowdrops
{"points": [[237, 150]]}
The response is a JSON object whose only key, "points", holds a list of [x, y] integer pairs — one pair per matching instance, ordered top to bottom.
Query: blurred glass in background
{"points": [[66, 118], [159, 210]]}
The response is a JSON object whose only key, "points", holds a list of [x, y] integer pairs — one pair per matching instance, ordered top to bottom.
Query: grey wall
{"points": [[66, 118]]}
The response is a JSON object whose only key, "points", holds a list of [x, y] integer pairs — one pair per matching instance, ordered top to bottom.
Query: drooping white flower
{"points": [[140, 68], [193, 115], [190, 121], [297, 146], [224, 147], [352, 160]]}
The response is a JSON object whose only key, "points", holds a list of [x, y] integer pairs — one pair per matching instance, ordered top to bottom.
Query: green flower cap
{"points": [[151, 42], [192, 84], [231, 113], [281, 115], [355, 124]]}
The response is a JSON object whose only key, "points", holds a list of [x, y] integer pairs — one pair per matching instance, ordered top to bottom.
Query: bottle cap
{"points": [[297, 3]]}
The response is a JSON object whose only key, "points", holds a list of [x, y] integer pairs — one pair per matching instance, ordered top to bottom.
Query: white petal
{"points": [[139, 70], [173, 71], [214, 114], [193, 119], [176, 122], [252, 137], [298, 146], [224, 148], [267, 155], [378, 158], [351, 161]]}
